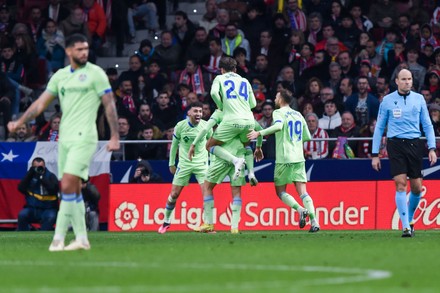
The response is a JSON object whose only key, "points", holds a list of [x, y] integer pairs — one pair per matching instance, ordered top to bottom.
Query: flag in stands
{"points": [[16, 158]]}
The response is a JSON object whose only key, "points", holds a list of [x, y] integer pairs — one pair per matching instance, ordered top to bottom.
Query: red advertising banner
{"points": [[339, 205], [427, 215]]}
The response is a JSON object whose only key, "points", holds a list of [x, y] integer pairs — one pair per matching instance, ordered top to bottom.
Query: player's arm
{"points": [[215, 93], [252, 100], [108, 102], [35, 109], [275, 127], [202, 133], [306, 136], [173, 149], [258, 153]]}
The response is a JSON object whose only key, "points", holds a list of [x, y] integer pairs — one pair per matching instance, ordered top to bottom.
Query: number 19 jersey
{"points": [[234, 96], [290, 140]]}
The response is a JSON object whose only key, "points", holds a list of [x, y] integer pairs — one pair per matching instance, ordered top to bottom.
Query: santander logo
{"points": [[427, 212]]}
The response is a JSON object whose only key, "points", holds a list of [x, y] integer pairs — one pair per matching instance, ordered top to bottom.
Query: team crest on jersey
{"points": [[82, 77], [62, 91], [186, 138]]}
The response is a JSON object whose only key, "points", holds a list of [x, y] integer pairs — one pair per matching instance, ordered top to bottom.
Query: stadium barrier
{"points": [[345, 205]]}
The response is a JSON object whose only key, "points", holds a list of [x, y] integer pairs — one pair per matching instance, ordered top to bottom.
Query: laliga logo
{"points": [[425, 211], [126, 216]]}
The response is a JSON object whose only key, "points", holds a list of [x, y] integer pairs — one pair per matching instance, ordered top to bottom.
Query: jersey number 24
{"points": [[230, 88]]}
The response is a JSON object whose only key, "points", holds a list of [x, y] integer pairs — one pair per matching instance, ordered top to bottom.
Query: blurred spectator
{"points": [[236, 9], [144, 10], [337, 10], [55, 11], [383, 13], [222, 18], [297, 18], [209, 20], [254, 22], [361, 22], [6, 23], [35, 23], [75, 23], [403, 23], [97, 24], [314, 28], [183, 31], [348, 33], [233, 39], [51, 46], [198, 49], [145, 51], [26, 53], [216, 53], [168, 54], [347, 65], [243, 66], [135, 69], [417, 70], [262, 71], [335, 73], [112, 74], [193, 75], [432, 80], [154, 81], [382, 87], [346, 88], [312, 92], [7, 95], [126, 102], [362, 104], [306, 108], [207, 110], [163, 111], [146, 117], [331, 117], [348, 128], [50, 132], [23, 134], [365, 146], [317, 149], [127, 150], [147, 150], [144, 174], [40, 188], [91, 198]]}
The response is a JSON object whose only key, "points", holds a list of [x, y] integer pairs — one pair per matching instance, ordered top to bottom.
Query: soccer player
{"points": [[80, 87], [235, 97], [402, 112], [291, 133], [184, 134], [219, 169]]}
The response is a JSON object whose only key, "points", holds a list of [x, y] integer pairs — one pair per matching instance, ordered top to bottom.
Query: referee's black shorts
{"points": [[406, 156]]}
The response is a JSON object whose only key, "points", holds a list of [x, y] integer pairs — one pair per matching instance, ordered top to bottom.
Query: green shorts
{"points": [[228, 130], [74, 158], [219, 169], [184, 171], [289, 173]]}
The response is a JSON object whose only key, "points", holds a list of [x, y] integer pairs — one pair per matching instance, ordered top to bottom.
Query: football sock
{"points": [[223, 154], [249, 158], [290, 201], [413, 203], [308, 204], [208, 207], [169, 208], [402, 208], [236, 211], [64, 216], [79, 219]]}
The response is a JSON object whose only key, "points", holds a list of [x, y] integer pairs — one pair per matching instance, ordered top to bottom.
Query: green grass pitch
{"points": [[288, 261]]}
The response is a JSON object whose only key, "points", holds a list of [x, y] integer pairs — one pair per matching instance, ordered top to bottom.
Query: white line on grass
{"points": [[355, 275]]}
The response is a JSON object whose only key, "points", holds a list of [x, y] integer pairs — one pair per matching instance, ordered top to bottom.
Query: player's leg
{"points": [[249, 158], [282, 176], [308, 204], [169, 208], [208, 208], [235, 208]]}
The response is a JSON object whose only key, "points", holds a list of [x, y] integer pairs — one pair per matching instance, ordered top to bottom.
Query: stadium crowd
{"points": [[339, 58]]}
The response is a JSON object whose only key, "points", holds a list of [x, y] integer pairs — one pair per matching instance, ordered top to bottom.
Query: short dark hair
{"points": [[181, 13], [75, 38], [218, 41], [227, 63], [286, 95], [194, 105], [38, 160]]}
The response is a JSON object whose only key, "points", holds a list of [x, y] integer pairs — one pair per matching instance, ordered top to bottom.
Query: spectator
{"points": [[235, 8], [145, 10], [337, 10], [55, 11], [383, 13], [222, 18], [297, 18], [209, 20], [255, 22], [361, 22], [6, 23], [35, 23], [75, 23], [403, 23], [97, 24], [314, 28], [183, 31], [348, 33], [233, 39], [51, 45], [294, 46], [198, 50], [145, 51], [26, 53], [168, 54], [211, 64], [347, 65], [243, 66], [417, 70], [134, 71], [262, 71], [335, 73], [112, 74], [192, 75], [432, 80], [154, 81], [382, 87], [346, 88], [312, 92], [7, 95], [427, 95], [126, 102], [362, 105], [306, 108], [207, 110], [164, 111], [146, 117], [331, 117], [265, 121], [348, 128], [50, 132], [125, 133], [23, 134], [365, 146], [316, 149], [148, 150], [144, 174], [40, 188], [91, 198]]}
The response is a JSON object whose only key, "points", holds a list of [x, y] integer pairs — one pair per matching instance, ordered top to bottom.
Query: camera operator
{"points": [[141, 175], [40, 187], [91, 200]]}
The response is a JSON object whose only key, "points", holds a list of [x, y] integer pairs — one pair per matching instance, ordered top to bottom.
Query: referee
{"points": [[403, 111]]}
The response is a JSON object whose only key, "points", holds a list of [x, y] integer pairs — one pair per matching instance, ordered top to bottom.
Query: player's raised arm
{"points": [[215, 93], [35, 109], [112, 118]]}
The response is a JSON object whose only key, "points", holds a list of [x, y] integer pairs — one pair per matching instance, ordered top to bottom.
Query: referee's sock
{"points": [[413, 203], [402, 208], [64, 216]]}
